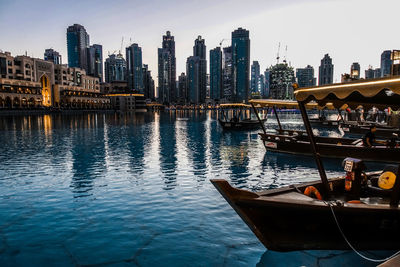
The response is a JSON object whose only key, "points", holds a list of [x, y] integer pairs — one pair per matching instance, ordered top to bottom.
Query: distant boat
{"points": [[234, 117]]}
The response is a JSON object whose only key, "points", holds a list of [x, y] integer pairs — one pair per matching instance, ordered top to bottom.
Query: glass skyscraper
{"points": [[77, 44], [386, 63], [240, 64], [134, 68], [115, 69], [167, 70], [255, 74], [305, 76], [216, 88]]}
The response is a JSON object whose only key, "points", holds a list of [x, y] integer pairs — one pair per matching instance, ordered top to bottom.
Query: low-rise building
{"points": [[128, 102]]}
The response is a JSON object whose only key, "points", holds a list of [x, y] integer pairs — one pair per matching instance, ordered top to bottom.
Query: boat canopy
{"points": [[380, 93], [258, 103], [234, 105]]}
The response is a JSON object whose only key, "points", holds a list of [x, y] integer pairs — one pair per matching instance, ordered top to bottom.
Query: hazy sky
{"points": [[349, 30]]}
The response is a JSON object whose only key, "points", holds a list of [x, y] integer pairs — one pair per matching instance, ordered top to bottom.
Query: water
{"points": [[101, 189]]}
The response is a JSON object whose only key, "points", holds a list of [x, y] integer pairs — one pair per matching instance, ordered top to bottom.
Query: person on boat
{"points": [[369, 138]]}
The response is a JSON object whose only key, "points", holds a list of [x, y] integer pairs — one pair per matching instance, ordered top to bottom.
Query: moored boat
{"points": [[237, 116], [358, 211]]}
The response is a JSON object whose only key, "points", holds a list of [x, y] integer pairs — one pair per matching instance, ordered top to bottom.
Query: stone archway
{"points": [[46, 91], [8, 102], [16, 102], [24, 102], [31, 102]]}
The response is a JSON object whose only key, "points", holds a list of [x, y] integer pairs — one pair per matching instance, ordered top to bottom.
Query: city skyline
{"points": [[106, 29]]}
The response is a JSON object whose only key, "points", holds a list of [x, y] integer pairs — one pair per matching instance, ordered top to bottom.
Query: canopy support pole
{"points": [[340, 115], [258, 117], [277, 118], [317, 156], [394, 199]]}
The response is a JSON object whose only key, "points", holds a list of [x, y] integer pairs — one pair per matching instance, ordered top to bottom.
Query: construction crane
{"points": [[225, 39]]}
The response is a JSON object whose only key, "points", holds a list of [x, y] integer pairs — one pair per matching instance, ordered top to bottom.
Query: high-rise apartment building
{"points": [[77, 44], [53, 56], [95, 61], [386, 63], [240, 64], [115, 68], [134, 68], [167, 70], [196, 71], [325, 71], [355, 71], [227, 72], [255, 74], [305, 76], [148, 83], [216, 85], [182, 88]]}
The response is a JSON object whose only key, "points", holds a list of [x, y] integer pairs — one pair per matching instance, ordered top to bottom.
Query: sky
{"points": [[348, 30]]}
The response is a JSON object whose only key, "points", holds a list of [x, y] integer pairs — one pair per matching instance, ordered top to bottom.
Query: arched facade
{"points": [[46, 90]]}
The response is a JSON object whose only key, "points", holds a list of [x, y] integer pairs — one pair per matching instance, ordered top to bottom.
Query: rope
{"points": [[348, 243]]}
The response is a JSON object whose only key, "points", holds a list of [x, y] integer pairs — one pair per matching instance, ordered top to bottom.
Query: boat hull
{"points": [[240, 125], [330, 147], [283, 224]]}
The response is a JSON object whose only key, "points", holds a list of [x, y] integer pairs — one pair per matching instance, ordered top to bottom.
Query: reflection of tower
{"points": [[195, 143], [88, 152], [168, 160]]}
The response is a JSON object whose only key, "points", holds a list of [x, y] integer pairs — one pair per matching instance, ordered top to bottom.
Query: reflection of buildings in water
{"points": [[195, 143], [168, 150], [88, 153]]}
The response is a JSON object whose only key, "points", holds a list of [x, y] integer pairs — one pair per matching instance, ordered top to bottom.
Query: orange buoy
{"points": [[311, 191]]}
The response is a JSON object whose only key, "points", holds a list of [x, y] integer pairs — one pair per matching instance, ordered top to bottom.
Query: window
{"points": [[10, 72]]}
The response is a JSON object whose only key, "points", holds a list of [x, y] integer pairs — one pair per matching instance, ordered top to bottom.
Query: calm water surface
{"points": [[134, 190]]}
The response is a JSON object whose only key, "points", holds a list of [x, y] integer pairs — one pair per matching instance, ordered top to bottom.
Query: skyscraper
{"points": [[77, 44], [199, 48], [53, 56], [95, 61], [386, 63], [240, 64], [115, 68], [134, 68], [167, 70], [196, 70], [325, 71], [355, 71], [227, 72], [255, 74], [305, 76], [267, 77], [148, 83], [216, 87], [182, 88]]}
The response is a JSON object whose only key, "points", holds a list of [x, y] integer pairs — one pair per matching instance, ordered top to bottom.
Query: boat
{"points": [[237, 116], [382, 130], [297, 141], [349, 212]]}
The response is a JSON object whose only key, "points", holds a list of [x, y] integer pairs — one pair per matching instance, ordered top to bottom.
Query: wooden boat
{"points": [[238, 119], [363, 127], [297, 142], [333, 147], [349, 213]]}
